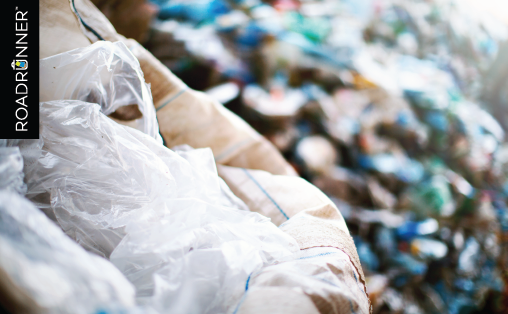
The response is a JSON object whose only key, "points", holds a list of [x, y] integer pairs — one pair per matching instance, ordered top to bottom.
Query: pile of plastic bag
{"points": [[395, 109], [175, 238]]}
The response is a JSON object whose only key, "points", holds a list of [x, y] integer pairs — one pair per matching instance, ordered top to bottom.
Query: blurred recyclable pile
{"points": [[396, 109]]}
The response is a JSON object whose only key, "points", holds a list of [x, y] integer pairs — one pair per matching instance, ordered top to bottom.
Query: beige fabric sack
{"points": [[59, 30], [279, 197], [309, 216], [317, 280]]}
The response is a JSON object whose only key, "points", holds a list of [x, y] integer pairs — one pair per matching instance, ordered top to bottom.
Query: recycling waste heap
{"points": [[144, 195]]}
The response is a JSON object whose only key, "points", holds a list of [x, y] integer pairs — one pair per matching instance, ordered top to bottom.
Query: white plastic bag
{"points": [[105, 73], [162, 219], [46, 272]]}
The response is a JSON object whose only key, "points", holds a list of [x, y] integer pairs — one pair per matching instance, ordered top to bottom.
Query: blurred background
{"points": [[396, 109]]}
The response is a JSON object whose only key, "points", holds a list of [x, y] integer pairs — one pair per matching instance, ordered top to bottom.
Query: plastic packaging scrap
{"points": [[104, 73], [407, 95], [280, 102], [317, 153], [163, 218], [46, 272]]}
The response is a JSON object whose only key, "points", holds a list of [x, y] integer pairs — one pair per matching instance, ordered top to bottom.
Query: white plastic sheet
{"points": [[105, 73], [11, 169], [163, 218]]}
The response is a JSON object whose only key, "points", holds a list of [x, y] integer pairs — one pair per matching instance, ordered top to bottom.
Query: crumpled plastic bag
{"points": [[105, 73], [199, 158], [162, 219], [43, 271]]}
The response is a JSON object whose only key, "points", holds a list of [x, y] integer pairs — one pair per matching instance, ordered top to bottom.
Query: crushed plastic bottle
{"points": [[428, 248]]}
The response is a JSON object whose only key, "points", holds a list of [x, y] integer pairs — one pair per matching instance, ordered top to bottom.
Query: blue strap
{"points": [[84, 24], [172, 98], [266, 193], [322, 254]]}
